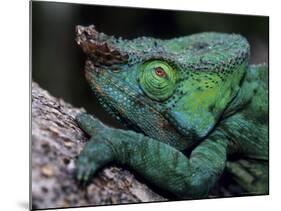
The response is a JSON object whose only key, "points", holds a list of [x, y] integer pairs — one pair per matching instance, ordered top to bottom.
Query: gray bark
{"points": [[55, 144]]}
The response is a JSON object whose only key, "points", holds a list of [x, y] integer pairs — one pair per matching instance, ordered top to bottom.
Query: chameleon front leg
{"points": [[159, 163]]}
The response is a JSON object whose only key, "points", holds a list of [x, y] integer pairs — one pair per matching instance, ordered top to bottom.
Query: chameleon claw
{"points": [[84, 173], [79, 174], [86, 176]]}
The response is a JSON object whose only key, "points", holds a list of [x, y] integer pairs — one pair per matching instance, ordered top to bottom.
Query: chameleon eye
{"points": [[157, 80]]}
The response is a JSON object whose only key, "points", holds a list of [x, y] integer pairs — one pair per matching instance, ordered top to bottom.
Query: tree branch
{"points": [[56, 142]]}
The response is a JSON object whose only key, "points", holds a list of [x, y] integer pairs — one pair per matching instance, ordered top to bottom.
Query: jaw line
{"points": [[92, 73], [93, 77]]}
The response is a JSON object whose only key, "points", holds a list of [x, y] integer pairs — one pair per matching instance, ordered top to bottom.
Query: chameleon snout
{"points": [[99, 47]]}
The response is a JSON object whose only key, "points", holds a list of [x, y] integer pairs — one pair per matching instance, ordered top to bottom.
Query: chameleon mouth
{"points": [[99, 47], [129, 104]]}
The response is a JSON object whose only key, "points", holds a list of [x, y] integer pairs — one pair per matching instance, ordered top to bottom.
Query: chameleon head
{"points": [[169, 89]]}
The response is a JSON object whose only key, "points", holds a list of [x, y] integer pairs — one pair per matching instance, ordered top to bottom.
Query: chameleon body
{"points": [[194, 105]]}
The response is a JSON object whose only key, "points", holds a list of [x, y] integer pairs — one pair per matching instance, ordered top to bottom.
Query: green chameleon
{"points": [[195, 106]]}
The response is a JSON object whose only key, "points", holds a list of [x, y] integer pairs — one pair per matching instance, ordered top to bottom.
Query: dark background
{"points": [[57, 61]]}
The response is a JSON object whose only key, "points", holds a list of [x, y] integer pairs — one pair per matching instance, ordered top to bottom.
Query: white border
{"points": [[14, 86]]}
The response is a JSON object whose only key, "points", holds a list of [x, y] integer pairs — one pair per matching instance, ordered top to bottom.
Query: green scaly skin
{"points": [[194, 104]]}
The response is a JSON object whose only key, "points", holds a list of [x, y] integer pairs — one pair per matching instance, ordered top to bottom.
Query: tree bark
{"points": [[55, 144]]}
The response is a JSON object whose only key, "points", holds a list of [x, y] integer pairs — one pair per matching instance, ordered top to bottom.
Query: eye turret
{"points": [[157, 79]]}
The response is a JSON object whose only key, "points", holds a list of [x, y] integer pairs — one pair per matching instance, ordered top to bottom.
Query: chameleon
{"points": [[193, 108]]}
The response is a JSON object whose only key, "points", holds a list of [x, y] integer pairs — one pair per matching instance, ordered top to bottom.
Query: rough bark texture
{"points": [[56, 142]]}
